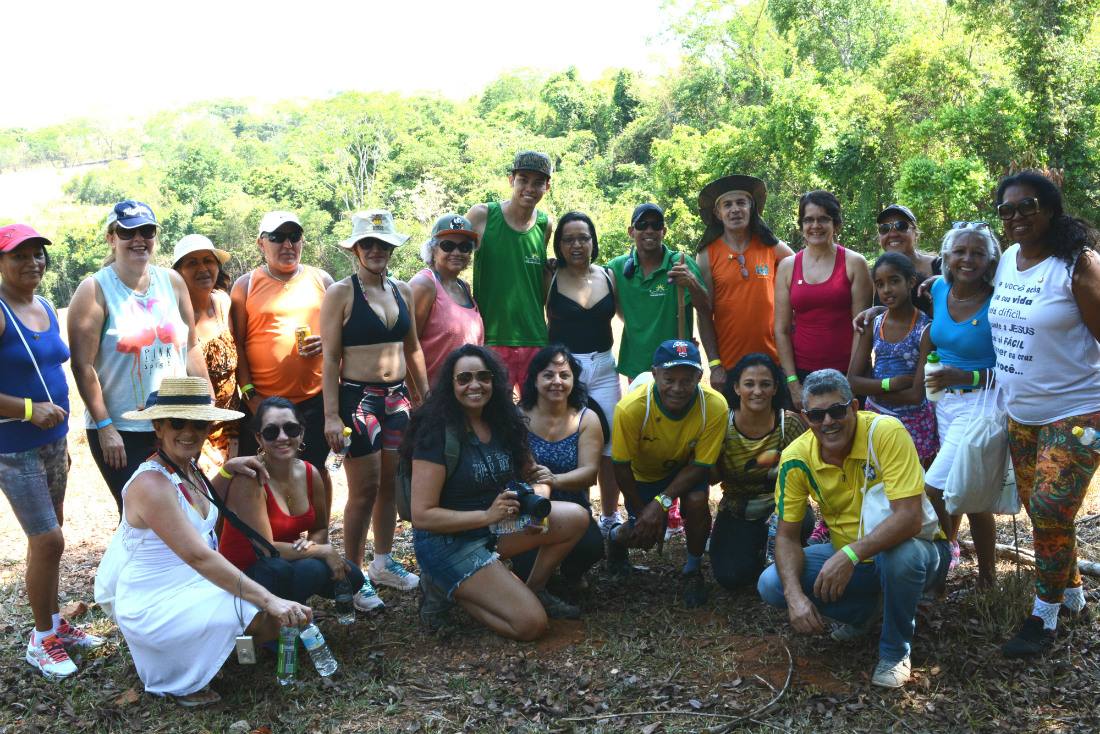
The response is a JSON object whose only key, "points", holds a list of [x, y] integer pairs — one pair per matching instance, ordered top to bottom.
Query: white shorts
{"points": [[599, 376], [952, 416]]}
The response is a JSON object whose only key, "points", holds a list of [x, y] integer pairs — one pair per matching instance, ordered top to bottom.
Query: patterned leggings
{"points": [[1053, 471]]}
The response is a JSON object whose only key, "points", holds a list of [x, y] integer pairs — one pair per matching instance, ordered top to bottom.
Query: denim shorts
{"points": [[34, 482], [448, 559]]}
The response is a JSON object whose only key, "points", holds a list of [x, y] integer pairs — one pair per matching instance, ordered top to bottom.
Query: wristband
{"points": [[716, 363], [977, 377], [791, 379], [886, 384], [248, 387], [29, 406], [104, 424], [224, 473], [851, 554]]}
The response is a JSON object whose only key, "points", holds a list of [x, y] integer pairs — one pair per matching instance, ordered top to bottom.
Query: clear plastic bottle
{"points": [[934, 365], [1087, 437], [336, 460], [511, 524], [773, 525], [345, 611], [314, 641], [286, 667]]}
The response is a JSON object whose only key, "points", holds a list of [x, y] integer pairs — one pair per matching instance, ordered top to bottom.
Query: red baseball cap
{"points": [[14, 235]]}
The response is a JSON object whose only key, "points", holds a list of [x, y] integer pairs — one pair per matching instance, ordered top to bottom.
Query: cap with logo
{"points": [[530, 160], [642, 209], [897, 209], [131, 213], [273, 220], [376, 224], [454, 224], [14, 235], [196, 243], [677, 352]]}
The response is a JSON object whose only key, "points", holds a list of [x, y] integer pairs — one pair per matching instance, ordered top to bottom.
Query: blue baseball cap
{"points": [[644, 209], [131, 213], [676, 352]]}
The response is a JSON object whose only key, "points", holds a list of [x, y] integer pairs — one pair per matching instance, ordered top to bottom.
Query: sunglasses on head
{"points": [[1026, 208], [645, 224], [900, 225], [966, 225], [147, 231], [279, 237], [465, 246], [464, 378], [817, 415], [178, 424], [271, 431]]}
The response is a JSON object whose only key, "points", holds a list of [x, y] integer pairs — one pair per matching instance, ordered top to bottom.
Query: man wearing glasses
{"points": [[738, 256], [858, 575]]}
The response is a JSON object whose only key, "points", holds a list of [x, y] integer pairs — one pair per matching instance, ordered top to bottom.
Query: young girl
{"points": [[895, 342]]}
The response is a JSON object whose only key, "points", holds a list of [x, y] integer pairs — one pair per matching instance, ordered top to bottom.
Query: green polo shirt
{"points": [[649, 311]]}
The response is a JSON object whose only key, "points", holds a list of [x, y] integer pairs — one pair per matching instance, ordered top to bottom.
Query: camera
{"points": [[530, 503], [246, 650]]}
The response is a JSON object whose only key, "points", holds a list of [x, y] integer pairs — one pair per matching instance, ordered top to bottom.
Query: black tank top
{"points": [[364, 327], [581, 330]]}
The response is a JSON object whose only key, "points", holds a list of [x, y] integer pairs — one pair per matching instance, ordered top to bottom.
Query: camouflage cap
{"points": [[529, 160]]}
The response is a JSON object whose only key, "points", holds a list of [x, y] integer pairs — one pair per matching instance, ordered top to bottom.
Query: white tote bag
{"points": [[977, 475], [876, 505]]}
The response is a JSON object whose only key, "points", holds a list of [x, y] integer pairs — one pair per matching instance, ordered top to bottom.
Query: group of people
{"points": [[206, 401]]}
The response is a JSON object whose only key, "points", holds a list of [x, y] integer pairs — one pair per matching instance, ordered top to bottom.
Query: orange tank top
{"points": [[744, 308], [274, 309]]}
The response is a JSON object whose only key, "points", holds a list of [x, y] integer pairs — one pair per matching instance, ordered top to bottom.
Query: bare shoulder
{"points": [[782, 251]]}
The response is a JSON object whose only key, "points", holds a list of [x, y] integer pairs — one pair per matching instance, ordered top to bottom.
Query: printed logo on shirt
{"points": [[532, 260], [763, 271], [657, 291], [870, 472]]}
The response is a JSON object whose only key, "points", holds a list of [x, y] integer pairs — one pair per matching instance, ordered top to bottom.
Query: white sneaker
{"points": [[606, 523], [392, 574], [367, 598], [71, 637], [50, 657], [891, 675]]}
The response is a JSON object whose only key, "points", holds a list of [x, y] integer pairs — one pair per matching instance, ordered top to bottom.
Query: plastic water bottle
{"points": [[933, 366], [1087, 437], [336, 460], [511, 524], [773, 525], [345, 612], [314, 641], [286, 668]]}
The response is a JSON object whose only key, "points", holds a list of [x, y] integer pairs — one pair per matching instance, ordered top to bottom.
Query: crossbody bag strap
{"points": [[15, 323], [870, 458]]}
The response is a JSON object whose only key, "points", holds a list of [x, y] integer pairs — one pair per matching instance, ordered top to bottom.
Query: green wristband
{"points": [[977, 377], [792, 378], [886, 384], [851, 554]]}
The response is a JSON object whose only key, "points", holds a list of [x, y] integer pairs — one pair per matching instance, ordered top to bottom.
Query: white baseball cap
{"points": [[273, 220]]}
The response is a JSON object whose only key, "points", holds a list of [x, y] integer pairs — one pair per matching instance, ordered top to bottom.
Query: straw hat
{"points": [[182, 397]]}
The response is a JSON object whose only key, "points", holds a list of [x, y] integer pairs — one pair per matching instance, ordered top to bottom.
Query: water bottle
{"points": [[933, 366], [1087, 437], [336, 460], [511, 524], [773, 525], [345, 612], [314, 641], [286, 668]]}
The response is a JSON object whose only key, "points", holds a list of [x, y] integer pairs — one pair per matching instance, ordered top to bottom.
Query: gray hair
{"points": [[977, 229], [427, 250], [824, 382]]}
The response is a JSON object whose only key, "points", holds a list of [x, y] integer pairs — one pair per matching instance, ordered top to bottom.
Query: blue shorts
{"points": [[34, 482], [649, 490], [448, 559]]}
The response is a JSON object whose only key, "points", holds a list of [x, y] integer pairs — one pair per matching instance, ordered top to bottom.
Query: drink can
{"points": [[300, 334]]}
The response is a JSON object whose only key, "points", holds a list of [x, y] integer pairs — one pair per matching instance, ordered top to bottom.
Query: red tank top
{"points": [[822, 331], [284, 528]]}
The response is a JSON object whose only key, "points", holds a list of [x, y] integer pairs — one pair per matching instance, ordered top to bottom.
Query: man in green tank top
{"points": [[510, 274]]}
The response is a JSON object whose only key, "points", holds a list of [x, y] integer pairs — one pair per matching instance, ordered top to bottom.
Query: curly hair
{"points": [[574, 217], [982, 231], [1067, 237], [529, 391], [782, 395], [442, 409]]}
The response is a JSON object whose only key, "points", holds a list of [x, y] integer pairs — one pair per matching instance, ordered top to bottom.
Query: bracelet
{"points": [[716, 363], [977, 377], [791, 379], [886, 384], [248, 387], [29, 406], [104, 424], [224, 473], [851, 554]]}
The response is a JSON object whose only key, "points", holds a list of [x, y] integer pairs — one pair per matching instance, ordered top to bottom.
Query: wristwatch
{"points": [[665, 500]]}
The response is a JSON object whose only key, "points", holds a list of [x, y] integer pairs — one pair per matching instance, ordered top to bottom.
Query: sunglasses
{"points": [[1025, 208], [823, 221], [643, 225], [967, 225], [901, 226], [147, 231], [279, 237], [583, 240], [367, 243], [465, 247], [744, 271], [464, 378], [817, 415], [178, 424], [271, 431]]}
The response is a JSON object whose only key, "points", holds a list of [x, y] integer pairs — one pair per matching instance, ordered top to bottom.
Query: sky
{"points": [[117, 60]]}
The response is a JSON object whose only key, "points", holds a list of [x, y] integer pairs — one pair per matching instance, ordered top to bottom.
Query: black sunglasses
{"points": [[1026, 208], [643, 225], [901, 225], [147, 231], [278, 237], [367, 243], [465, 246], [464, 378], [817, 415], [178, 424], [271, 431]]}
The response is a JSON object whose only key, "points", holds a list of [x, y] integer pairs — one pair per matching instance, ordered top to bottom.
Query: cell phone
{"points": [[246, 650]]}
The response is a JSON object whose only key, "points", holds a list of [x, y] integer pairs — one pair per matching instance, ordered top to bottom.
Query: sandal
{"points": [[205, 696]]}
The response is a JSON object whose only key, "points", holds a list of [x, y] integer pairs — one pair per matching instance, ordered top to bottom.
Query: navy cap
{"points": [[645, 209], [897, 209], [131, 213], [676, 352]]}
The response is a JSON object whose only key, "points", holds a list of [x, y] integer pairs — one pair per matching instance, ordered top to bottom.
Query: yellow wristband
{"points": [[716, 363], [29, 408], [224, 473], [851, 554]]}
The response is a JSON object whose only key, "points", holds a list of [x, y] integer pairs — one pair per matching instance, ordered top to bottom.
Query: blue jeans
{"points": [[901, 573]]}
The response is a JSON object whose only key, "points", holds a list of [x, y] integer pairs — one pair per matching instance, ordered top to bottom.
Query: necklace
{"points": [[734, 253], [286, 283], [968, 298]]}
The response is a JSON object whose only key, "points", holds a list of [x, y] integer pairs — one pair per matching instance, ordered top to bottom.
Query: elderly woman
{"points": [[200, 264], [1048, 299], [446, 313], [130, 325], [371, 347], [34, 458], [177, 601]]}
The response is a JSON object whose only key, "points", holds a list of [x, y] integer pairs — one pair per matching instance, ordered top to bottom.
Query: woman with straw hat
{"points": [[177, 601]]}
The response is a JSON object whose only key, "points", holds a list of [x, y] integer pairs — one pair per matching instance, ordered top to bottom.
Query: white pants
{"points": [[599, 376]]}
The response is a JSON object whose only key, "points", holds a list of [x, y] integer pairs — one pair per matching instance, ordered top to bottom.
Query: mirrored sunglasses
{"points": [[900, 225], [966, 225], [464, 378]]}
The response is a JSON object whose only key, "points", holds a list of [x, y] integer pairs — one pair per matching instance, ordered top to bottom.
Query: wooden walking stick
{"points": [[680, 316]]}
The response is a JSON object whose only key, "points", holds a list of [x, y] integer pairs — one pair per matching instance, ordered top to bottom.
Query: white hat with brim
{"points": [[375, 224], [195, 243], [182, 397]]}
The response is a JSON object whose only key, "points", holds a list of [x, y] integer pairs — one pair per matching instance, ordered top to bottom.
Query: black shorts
{"points": [[377, 412]]}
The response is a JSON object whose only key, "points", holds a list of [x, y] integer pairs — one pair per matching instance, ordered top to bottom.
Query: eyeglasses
{"points": [[1025, 208], [820, 221], [643, 225], [900, 225], [967, 225], [147, 231], [278, 237], [582, 240], [367, 243], [465, 247], [464, 378], [817, 415], [178, 424], [290, 428]]}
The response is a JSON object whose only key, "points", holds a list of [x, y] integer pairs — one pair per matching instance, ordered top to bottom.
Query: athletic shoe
{"points": [[606, 523], [820, 534], [956, 551], [617, 563], [393, 574], [694, 591], [367, 599], [435, 608], [556, 608], [1082, 616], [850, 632], [75, 637], [1030, 641], [50, 657], [891, 674]]}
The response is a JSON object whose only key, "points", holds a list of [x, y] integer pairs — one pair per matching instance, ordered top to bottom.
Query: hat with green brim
{"points": [[713, 191], [374, 224], [182, 397]]}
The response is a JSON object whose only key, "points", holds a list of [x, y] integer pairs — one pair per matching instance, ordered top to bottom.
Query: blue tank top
{"points": [[967, 345], [898, 358], [21, 379], [560, 457]]}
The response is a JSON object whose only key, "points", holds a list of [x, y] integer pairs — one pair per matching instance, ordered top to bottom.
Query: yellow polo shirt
{"points": [[803, 475]]}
